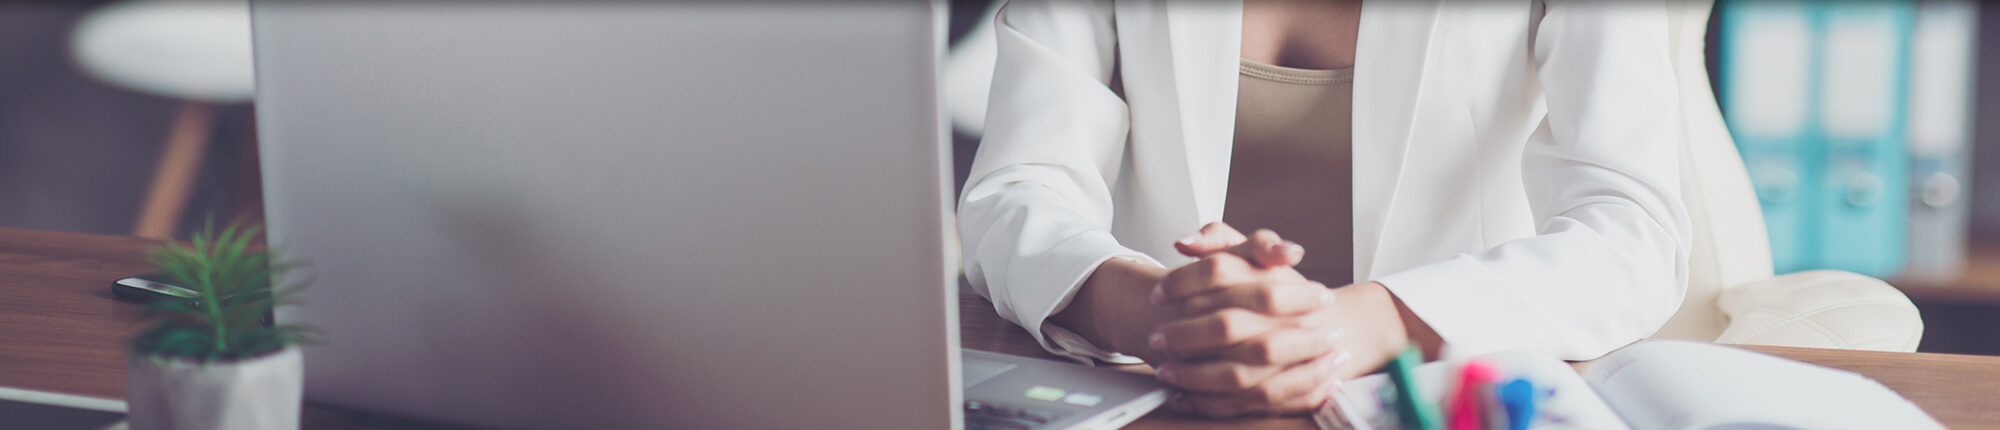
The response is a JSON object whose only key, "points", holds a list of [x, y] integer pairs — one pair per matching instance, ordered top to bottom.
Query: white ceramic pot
{"points": [[178, 394]]}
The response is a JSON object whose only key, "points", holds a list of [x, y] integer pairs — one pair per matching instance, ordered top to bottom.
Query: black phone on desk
{"points": [[158, 286], [149, 287]]}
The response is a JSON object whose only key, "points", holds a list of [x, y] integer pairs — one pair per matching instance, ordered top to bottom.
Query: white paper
{"points": [[1688, 385]]}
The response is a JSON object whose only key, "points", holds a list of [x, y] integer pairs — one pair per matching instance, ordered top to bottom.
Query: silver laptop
{"points": [[625, 214], [1009, 392]]}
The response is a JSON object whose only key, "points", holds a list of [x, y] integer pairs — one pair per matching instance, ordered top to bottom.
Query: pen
{"points": [[1518, 397], [1410, 407], [1466, 414], [1496, 414]]}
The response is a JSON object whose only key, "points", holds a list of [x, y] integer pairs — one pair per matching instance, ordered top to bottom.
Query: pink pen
{"points": [[1467, 408]]}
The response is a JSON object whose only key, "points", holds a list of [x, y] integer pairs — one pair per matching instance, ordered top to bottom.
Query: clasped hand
{"points": [[1256, 337]]}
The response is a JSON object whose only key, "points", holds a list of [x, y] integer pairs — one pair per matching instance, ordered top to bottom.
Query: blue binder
{"points": [[1943, 58], [1766, 87], [1815, 97], [1864, 188]]}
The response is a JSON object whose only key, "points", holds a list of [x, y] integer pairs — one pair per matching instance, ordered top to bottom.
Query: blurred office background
{"points": [[80, 148], [1867, 158]]}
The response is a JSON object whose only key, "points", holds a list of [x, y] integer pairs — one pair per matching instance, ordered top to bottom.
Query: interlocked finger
{"points": [[1208, 274], [1280, 298], [1210, 333], [1285, 347], [1285, 392]]}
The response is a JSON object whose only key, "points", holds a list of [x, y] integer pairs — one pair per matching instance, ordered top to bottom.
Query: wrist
{"points": [[1112, 308], [1103, 309], [1129, 314], [1387, 326], [1415, 331]]}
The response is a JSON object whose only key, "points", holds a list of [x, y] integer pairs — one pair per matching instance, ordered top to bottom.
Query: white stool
{"points": [[194, 50]]}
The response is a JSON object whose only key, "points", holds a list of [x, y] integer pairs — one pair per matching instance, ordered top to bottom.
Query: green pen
{"points": [[1413, 411]]}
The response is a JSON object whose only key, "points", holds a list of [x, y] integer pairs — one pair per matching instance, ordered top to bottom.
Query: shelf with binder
{"points": [[1854, 121], [1977, 282]]}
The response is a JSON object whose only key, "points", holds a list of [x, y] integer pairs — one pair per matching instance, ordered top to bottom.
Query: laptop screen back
{"points": [[615, 214]]}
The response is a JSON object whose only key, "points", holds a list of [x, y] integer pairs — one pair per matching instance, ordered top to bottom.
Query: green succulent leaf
{"points": [[233, 279]]}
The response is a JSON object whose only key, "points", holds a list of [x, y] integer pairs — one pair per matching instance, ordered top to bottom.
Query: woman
{"points": [[1512, 171]]}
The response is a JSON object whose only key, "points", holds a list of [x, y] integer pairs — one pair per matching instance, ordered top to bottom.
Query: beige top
{"points": [[1291, 169]]}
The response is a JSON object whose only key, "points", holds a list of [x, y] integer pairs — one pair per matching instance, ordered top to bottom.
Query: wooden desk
{"points": [[61, 331], [1961, 391]]}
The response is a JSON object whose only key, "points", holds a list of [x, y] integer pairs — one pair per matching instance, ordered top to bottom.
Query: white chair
{"points": [[1732, 296]]}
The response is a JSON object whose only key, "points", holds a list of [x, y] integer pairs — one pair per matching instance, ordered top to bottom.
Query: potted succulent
{"points": [[215, 361]]}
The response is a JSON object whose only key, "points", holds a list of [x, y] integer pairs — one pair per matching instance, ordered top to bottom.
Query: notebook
{"points": [[1660, 385]]}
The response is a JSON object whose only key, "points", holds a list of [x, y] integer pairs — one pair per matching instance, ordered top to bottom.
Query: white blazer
{"points": [[1516, 179]]}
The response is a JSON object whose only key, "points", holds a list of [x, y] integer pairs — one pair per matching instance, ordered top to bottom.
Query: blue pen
{"points": [[1518, 397]]}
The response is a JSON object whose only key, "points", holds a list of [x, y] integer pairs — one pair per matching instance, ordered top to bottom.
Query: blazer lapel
{"points": [[1204, 39], [1393, 46]]}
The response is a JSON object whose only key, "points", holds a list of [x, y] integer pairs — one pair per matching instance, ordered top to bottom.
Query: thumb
{"points": [[1214, 237], [1265, 249]]}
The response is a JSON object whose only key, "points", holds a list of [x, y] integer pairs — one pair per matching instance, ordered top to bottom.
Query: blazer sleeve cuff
{"points": [[1044, 289], [1467, 305], [1073, 346]]}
